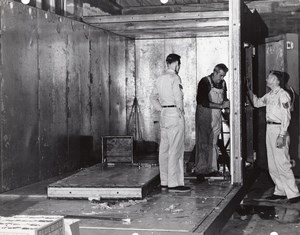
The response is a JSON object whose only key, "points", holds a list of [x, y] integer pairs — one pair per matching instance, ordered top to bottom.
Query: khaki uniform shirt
{"points": [[167, 90], [278, 107]]}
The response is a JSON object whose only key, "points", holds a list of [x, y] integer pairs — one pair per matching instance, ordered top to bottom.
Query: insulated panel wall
{"points": [[187, 49], [210, 52], [52, 60], [77, 63], [150, 63], [130, 71], [99, 76], [117, 86], [63, 87], [19, 96]]}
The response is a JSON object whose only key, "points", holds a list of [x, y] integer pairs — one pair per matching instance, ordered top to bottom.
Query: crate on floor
{"points": [[117, 149], [32, 225]]}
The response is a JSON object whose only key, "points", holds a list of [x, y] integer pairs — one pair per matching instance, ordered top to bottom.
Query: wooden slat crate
{"points": [[117, 149], [32, 225]]}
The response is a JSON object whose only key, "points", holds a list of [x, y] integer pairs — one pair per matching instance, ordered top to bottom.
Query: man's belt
{"points": [[169, 106], [273, 123]]}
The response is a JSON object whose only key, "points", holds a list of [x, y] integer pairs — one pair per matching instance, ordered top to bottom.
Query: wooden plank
{"points": [[138, 3], [216, 6], [155, 17], [165, 25], [163, 34], [147, 36], [76, 59], [83, 59], [130, 69], [99, 76], [117, 86], [235, 87], [19, 96], [53, 115], [120, 181], [100, 193], [129, 231]]}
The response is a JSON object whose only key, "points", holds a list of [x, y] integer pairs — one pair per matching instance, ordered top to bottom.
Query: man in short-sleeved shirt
{"points": [[167, 97], [278, 116]]}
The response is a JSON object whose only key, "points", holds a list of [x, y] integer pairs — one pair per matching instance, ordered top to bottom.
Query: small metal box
{"points": [[117, 149]]}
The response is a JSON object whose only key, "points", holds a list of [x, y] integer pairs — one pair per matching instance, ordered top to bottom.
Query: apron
{"points": [[208, 129]]}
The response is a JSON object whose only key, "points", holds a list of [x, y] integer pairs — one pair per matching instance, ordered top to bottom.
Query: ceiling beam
{"points": [[176, 8], [155, 17], [165, 25]]}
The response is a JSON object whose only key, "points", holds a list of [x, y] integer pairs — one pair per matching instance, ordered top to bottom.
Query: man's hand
{"points": [[226, 104], [281, 141]]}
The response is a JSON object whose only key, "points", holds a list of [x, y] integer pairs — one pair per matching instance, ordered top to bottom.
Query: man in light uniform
{"points": [[167, 97], [278, 116]]}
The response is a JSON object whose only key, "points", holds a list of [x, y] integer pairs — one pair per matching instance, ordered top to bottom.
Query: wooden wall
{"points": [[198, 55], [61, 81]]}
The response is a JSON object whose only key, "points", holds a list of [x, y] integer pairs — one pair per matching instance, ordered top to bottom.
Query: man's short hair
{"points": [[172, 58], [219, 67], [280, 77]]}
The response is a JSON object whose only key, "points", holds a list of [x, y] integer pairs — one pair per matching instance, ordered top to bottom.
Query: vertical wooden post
{"points": [[235, 90]]}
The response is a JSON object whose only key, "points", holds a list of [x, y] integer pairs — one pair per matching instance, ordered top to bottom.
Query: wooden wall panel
{"points": [[187, 49], [83, 51], [212, 51], [150, 63], [77, 74], [99, 75], [130, 84], [117, 88], [52, 95], [19, 96]]}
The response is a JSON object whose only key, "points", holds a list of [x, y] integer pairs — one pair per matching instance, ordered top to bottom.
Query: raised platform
{"points": [[107, 182], [204, 210]]}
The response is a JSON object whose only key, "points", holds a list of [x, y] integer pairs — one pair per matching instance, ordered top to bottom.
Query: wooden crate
{"points": [[117, 149], [32, 225]]}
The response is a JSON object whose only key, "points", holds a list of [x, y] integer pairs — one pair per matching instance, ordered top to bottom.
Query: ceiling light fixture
{"points": [[25, 1], [163, 1]]}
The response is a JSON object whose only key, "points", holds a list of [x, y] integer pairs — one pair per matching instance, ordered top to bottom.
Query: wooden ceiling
{"points": [[141, 3], [142, 19], [168, 25]]}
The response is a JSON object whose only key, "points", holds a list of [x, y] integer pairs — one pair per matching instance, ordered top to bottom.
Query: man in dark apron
{"points": [[211, 99]]}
